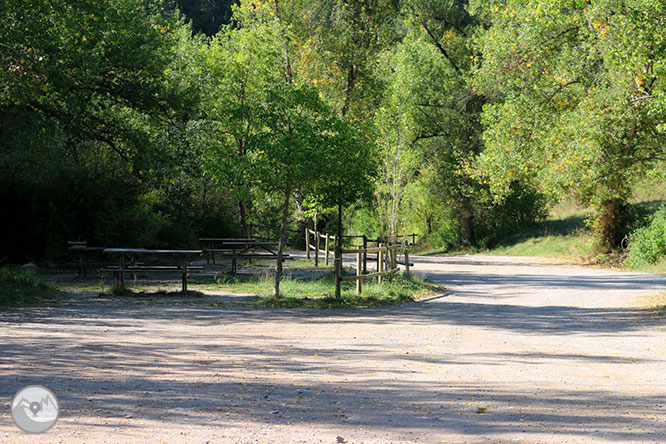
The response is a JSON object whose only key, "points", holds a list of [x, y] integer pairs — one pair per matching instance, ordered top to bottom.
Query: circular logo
{"points": [[35, 409]]}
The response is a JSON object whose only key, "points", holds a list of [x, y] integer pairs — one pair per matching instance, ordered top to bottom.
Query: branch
{"points": [[450, 23], [441, 49], [641, 98], [431, 105], [436, 124], [428, 136]]}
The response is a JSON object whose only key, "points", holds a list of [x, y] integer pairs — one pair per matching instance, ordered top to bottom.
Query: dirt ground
{"points": [[516, 350]]}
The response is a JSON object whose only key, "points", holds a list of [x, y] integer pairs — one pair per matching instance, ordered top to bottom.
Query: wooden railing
{"points": [[316, 246], [387, 256]]}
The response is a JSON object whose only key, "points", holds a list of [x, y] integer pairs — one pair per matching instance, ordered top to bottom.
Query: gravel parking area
{"points": [[516, 350]]}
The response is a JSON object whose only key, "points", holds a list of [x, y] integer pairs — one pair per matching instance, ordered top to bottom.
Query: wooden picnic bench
{"points": [[236, 248], [84, 251], [181, 265]]}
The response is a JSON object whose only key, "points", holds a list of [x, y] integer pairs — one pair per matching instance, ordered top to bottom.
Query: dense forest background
{"points": [[151, 123]]}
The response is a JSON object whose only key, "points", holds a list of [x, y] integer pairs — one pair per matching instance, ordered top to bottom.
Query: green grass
{"points": [[565, 233], [567, 237], [307, 264], [658, 268], [19, 286], [309, 291], [320, 292]]}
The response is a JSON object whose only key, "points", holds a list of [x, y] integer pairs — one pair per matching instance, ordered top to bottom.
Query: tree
{"points": [[240, 68], [579, 100], [92, 108], [430, 108], [302, 147]]}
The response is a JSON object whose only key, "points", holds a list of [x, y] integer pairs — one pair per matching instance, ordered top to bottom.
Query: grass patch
{"points": [[573, 246], [308, 264], [658, 268], [20, 286], [320, 292], [655, 303]]}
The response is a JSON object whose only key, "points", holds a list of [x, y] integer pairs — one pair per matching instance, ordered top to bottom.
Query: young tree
{"points": [[303, 148]]}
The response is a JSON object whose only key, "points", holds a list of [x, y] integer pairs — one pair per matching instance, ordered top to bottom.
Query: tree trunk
{"points": [[243, 218], [609, 222], [466, 223], [281, 242]]}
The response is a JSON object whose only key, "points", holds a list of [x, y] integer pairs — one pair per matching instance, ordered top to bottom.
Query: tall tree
{"points": [[240, 68], [579, 99], [432, 102]]}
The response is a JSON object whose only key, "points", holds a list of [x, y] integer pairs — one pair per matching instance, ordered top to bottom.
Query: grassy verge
{"points": [[658, 268], [20, 286], [320, 292], [656, 303]]}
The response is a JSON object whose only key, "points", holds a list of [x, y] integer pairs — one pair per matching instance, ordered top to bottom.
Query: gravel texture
{"points": [[516, 350]]}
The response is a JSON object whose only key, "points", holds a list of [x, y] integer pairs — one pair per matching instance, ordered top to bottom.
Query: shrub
{"points": [[647, 245], [20, 285]]}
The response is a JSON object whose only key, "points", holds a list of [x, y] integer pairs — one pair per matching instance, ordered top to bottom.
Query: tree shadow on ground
{"points": [[550, 227], [172, 363], [98, 378]]}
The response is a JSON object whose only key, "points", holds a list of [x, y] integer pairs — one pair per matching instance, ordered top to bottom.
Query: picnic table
{"points": [[236, 248], [84, 250], [181, 264]]}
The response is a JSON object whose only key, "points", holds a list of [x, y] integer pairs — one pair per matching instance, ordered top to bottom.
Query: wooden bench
{"points": [[239, 249], [182, 264]]}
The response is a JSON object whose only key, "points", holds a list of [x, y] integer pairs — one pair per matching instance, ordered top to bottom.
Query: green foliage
{"points": [[577, 96], [458, 120], [97, 136], [521, 210], [647, 245], [22, 286]]}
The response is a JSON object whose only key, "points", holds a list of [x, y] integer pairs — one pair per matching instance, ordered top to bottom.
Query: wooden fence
{"points": [[317, 237], [387, 253], [387, 256]]}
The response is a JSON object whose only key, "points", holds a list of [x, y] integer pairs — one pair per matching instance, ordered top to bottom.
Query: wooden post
{"points": [[317, 235], [328, 237], [413, 238], [307, 242], [338, 253], [365, 254], [394, 258], [233, 260], [133, 263], [380, 263], [406, 263], [82, 264], [185, 264], [359, 270], [120, 282]]}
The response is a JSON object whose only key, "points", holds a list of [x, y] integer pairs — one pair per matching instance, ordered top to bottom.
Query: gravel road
{"points": [[516, 350]]}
